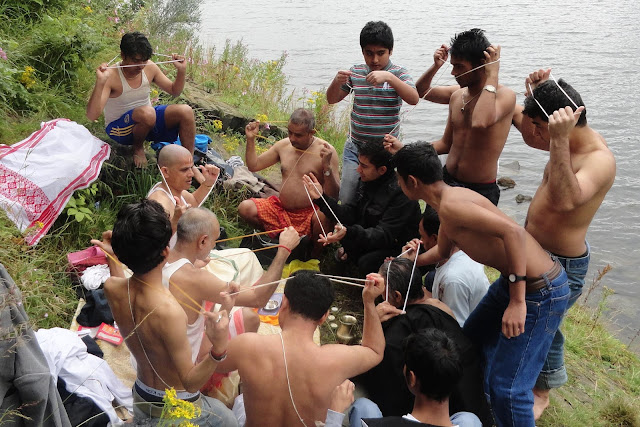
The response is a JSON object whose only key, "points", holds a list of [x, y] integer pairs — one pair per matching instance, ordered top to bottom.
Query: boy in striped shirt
{"points": [[379, 87]]}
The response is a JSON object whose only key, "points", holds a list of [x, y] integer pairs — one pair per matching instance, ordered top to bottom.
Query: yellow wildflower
{"points": [[88, 9], [26, 78], [154, 93], [262, 117], [217, 124], [39, 224]]}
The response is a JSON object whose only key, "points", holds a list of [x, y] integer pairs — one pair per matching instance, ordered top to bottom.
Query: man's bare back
{"points": [[465, 222], [166, 315], [312, 372]]}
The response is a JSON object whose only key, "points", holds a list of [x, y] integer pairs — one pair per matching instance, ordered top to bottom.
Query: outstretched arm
{"points": [[259, 297]]}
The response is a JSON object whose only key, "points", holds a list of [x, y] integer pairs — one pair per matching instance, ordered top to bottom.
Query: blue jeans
{"points": [[350, 177], [512, 365], [554, 373], [364, 408], [214, 413]]}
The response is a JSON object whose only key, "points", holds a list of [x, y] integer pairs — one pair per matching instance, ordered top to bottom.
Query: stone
{"points": [[506, 182], [522, 198]]}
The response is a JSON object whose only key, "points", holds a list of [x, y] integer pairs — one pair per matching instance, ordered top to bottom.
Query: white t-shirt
{"points": [[460, 283]]}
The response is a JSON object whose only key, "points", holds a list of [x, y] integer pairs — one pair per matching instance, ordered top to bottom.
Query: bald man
{"points": [[176, 166], [198, 230]]}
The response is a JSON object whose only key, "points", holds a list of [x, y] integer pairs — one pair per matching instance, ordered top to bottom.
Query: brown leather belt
{"points": [[537, 283]]}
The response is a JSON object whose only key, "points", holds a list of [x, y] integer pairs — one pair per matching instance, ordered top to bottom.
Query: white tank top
{"points": [[130, 98], [157, 187], [196, 329]]}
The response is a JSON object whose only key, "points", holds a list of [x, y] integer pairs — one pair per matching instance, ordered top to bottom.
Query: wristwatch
{"points": [[490, 88], [327, 172], [513, 278]]}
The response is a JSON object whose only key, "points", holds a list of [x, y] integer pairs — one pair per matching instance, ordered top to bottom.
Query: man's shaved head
{"points": [[171, 154], [197, 222]]}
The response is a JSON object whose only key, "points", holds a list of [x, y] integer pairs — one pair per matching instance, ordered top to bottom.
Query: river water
{"points": [[594, 45]]}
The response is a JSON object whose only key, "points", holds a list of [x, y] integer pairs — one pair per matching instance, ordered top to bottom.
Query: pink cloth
{"points": [[39, 174]]}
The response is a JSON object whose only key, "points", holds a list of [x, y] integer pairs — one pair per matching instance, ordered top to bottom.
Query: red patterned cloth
{"points": [[39, 174], [274, 216]]}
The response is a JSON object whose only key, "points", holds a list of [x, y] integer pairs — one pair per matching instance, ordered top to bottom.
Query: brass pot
{"points": [[344, 334]]}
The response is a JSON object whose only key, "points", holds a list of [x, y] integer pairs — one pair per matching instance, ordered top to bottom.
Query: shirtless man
{"points": [[124, 96], [480, 113], [299, 154], [176, 166], [580, 171], [198, 230], [515, 322], [154, 323], [291, 383]]}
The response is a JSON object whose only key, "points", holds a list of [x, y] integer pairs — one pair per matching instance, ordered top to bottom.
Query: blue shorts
{"points": [[121, 130]]}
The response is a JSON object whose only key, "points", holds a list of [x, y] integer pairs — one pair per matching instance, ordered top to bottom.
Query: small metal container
{"points": [[344, 334]]}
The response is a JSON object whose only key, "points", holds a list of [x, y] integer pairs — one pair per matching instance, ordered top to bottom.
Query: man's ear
{"points": [[390, 52], [382, 170], [412, 182], [203, 240], [397, 296], [323, 318]]}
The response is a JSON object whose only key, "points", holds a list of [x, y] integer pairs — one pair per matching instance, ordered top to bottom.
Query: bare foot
{"points": [[140, 158], [540, 402]]}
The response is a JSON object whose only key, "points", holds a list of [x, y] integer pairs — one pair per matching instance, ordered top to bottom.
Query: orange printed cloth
{"points": [[274, 216]]}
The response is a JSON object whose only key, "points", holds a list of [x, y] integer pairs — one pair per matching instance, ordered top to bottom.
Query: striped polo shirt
{"points": [[376, 109]]}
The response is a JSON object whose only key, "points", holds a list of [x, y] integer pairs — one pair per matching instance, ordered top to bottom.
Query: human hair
{"points": [[376, 33], [133, 44], [469, 46], [549, 95], [302, 116], [375, 152], [420, 160], [430, 221], [196, 222], [140, 235], [399, 274], [309, 295], [435, 360]]}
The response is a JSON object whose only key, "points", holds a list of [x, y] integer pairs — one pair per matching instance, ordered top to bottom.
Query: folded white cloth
{"points": [[95, 276]]}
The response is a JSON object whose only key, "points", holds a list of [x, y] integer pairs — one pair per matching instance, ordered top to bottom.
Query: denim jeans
{"points": [[350, 177], [512, 365], [554, 373], [365, 408], [214, 413]]}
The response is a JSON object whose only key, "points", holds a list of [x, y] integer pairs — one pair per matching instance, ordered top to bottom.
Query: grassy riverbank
{"points": [[52, 48]]}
